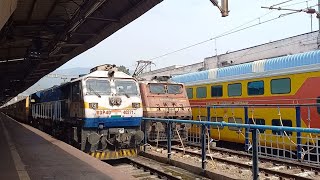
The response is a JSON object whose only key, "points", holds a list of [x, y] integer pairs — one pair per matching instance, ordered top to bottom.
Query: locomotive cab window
{"points": [[280, 86], [98, 87], [126, 87], [157, 88], [174, 88], [255, 88], [234, 89], [216, 91], [201, 92], [190, 93], [216, 119], [234, 120], [257, 121], [276, 122]]}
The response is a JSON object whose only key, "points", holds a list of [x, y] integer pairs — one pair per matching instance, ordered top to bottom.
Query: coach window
{"points": [[280, 86], [256, 88], [234, 89], [216, 91], [75, 92], [201, 92], [190, 93], [216, 119], [234, 120], [257, 121], [277, 122]]}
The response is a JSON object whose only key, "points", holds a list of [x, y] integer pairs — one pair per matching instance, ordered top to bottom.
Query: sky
{"points": [[174, 24]]}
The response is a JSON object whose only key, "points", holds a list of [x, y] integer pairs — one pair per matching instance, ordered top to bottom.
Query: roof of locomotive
{"points": [[281, 65], [95, 74], [104, 74]]}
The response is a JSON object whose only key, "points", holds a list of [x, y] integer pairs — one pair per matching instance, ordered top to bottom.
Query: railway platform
{"points": [[27, 153]]}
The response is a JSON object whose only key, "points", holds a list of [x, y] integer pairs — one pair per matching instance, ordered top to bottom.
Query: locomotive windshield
{"points": [[98, 86], [126, 87], [157, 88], [174, 88]]}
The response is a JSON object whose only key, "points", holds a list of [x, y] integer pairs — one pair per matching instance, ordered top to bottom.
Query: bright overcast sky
{"points": [[174, 24]]}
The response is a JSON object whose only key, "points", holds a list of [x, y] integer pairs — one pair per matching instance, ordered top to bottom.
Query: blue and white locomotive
{"points": [[100, 112]]}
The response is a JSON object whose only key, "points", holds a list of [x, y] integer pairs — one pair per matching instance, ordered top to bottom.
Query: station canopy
{"points": [[42, 35]]}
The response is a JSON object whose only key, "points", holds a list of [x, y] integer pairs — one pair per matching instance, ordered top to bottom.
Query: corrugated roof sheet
{"points": [[308, 58], [235, 70]]}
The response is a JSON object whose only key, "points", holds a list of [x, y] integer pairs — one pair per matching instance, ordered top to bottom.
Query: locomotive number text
{"points": [[100, 112], [128, 112]]}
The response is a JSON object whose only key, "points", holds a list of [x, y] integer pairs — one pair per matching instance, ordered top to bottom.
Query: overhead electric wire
{"points": [[281, 3], [296, 3], [234, 30], [216, 37]]}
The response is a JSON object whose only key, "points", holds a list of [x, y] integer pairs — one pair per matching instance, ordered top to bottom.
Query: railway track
{"points": [[268, 167], [146, 169]]}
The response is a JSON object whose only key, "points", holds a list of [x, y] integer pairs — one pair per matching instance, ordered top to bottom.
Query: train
{"points": [[291, 79], [162, 98], [99, 113]]}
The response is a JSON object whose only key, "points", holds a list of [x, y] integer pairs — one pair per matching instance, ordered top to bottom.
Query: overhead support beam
{"points": [[7, 7], [31, 11], [102, 19], [83, 34], [69, 45], [57, 55], [52, 62]]}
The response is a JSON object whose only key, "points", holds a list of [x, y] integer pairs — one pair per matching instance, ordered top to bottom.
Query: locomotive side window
{"points": [[98, 86], [280, 86], [157, 88], [174, 88], [256, 88], [234, 89], [216, 91], [75, 92], [201, 92], [190, 93], [216, 119], [234, 120], [257, 122], [276, 122]]}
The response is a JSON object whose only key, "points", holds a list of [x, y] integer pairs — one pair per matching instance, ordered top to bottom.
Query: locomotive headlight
{"points": [[93, 105], [136, 105]]}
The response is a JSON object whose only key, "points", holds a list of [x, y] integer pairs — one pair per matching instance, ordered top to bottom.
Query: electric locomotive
{"points": [[163, 98], [100, 113]]}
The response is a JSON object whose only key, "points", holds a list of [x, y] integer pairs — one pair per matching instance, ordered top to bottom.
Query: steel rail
{"points": [[263, 158], [244, 165], [152, 169]]}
